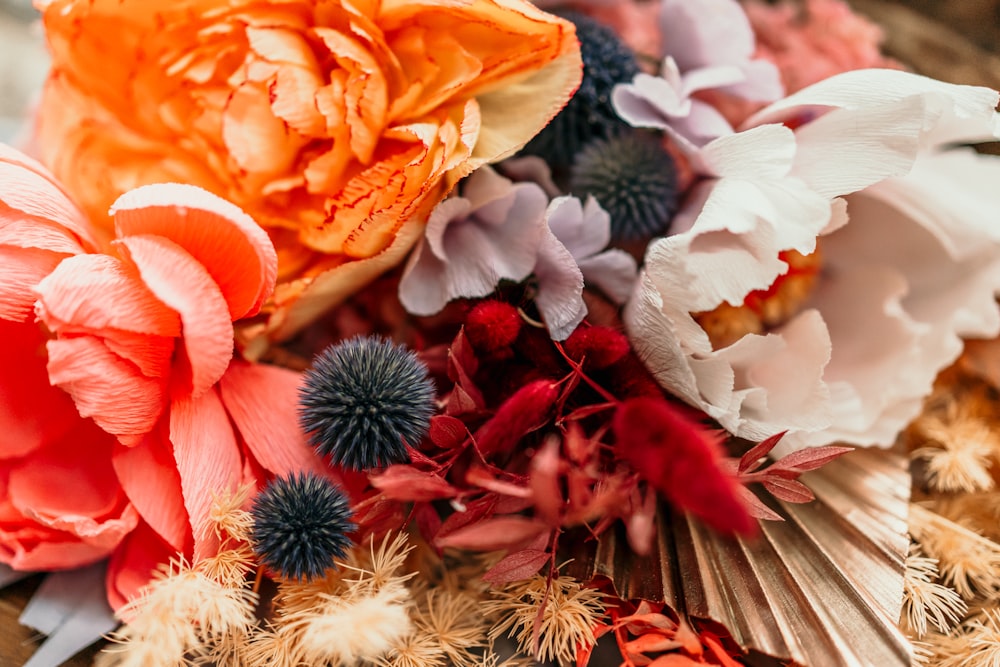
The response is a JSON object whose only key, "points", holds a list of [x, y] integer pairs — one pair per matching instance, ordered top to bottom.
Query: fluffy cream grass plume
{"points": [[959, 452], [968, 562], [926, 602], [358, 612], [569, 613], [181, 615], [349, 631]]}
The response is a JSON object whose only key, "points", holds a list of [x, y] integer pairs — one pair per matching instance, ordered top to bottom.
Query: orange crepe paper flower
{"points": [[336, 124], [126, 385]]}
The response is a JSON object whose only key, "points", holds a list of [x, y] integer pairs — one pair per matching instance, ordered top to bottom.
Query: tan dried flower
{"points": [[960, 450], [967, 561], [925, 600], [568, 616], [455, 621]]}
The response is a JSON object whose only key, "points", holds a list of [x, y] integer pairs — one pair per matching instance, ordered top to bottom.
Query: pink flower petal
{"points": [[236, 251], [23, 269], [182, 283], [98, 380], [24, 385], [263, 403], [208, 461], [148, 474], [134, 562]]}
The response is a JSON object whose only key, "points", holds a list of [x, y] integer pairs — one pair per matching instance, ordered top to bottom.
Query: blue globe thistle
{"points": [[589, 113], [633, 178], [364, 400], [300, 525]]}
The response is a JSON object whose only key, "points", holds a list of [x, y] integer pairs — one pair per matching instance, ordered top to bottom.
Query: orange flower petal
{"points": [[226, 241], [181, 282], [98, 379], [263, 403], [208, 461], [148, 474]]}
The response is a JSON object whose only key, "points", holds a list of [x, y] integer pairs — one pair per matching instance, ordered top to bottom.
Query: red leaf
{"points": [[461, 402], [526, 410], [587, 410], [447, 432], [752, 459], [810, 459], [682, 460], [481, 477], [404, 482], [544, 482], [789, 490], [756, 507], [477, 510], [428, 521], [504, 532], [519, 565], [652, 642], [674, 660]]}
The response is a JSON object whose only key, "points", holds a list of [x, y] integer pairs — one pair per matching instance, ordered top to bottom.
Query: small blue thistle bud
{"points": [[589, 113], [633, 178], [364, 400], [300, 525]]}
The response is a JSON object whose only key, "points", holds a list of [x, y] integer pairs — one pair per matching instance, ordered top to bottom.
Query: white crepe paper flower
{"points": [[709, 46], [500, 230], [911, 260]]}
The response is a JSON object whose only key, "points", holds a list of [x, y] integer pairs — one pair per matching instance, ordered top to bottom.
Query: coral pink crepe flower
{"points": [[141, 340], [60, 503]]}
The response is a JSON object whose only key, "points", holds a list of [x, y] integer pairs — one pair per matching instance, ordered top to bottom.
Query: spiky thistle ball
{"points": [[589, 113], [633, 178], [364, 400], [300, 525]]}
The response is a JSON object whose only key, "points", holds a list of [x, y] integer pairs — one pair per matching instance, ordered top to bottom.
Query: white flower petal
{"points": [[614, 272], [560, 288]]}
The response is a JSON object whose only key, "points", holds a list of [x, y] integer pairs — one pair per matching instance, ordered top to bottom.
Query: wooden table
{"points": [[957, 40]]}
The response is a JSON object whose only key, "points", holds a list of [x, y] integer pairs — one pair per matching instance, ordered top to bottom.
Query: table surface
{"points": [[965, 50]]}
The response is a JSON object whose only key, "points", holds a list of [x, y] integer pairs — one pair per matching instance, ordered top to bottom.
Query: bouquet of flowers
{"points": [[425, 332]]}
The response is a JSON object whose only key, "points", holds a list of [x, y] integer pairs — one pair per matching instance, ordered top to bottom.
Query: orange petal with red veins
{"points": [[226, 241], [181, 282], [98, 380], [263, 403], [208, 461], [148, 474]]}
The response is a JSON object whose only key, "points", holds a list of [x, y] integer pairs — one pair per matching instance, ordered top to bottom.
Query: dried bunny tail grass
{"points": [[963, 450], [981, 510], [227, 516], [968, 562], [925, 600], [181, 613], [568, 617], [455, 621], [351, 630]]}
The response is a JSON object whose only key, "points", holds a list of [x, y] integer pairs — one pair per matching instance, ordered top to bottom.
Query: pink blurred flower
{"points": [[813, 42]]}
